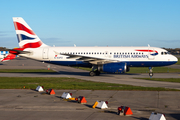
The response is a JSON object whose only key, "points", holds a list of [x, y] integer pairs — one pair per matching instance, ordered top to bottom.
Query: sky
{"points": [[94, 22]]}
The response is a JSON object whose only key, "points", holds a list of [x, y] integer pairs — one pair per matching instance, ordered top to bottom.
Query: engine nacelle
{"points": [[114, 68]]}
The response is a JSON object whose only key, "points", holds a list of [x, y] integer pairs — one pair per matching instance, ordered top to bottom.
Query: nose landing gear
{"points": [[150, 72]]}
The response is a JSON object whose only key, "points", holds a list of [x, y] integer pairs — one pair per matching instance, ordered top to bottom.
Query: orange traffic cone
{"points": [[52, 92], [83, 100], [127, 111]]}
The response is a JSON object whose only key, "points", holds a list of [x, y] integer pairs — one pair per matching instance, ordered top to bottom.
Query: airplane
{"points": [[3, 54], [100, 59]]}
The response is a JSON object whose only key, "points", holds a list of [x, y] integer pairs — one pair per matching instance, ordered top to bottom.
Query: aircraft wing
{"points": [[12, 54], [92, 60]]}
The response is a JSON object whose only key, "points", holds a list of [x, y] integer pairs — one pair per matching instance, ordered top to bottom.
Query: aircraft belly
{"points": [[151, 63]]}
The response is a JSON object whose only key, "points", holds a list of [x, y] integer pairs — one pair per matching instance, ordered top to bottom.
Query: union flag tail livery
{"points": [[26, 37], [101, 59]]}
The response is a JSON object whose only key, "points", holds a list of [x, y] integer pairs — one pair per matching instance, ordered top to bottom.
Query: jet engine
{"points": [[114, 67]]}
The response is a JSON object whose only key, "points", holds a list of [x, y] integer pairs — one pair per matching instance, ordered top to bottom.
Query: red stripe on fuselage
{"points": [[19, 26], [147, 51]]}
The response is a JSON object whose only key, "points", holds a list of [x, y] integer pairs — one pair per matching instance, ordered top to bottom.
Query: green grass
{"points": [[178, 62], [144, 69], [132, 70], [155, 70], [25, 71], [163, 79], [67, 83]]}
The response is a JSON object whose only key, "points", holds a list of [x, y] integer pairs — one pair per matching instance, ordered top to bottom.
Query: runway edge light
{"points": [[50, 92], [123, 110]]}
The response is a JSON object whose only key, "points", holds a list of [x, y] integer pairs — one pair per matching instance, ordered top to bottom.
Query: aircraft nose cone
{"points": [[174, 59]]}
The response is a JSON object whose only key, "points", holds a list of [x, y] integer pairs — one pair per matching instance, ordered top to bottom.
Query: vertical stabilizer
{"points": [[26, 37]]}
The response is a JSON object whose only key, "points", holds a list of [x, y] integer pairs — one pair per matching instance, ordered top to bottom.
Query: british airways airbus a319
{"points": [[101, 59]]}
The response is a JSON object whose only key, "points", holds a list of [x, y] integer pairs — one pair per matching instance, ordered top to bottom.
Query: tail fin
{"points": [[26, 37]]}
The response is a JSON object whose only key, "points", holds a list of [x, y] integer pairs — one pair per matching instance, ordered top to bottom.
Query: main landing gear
{"points": [[94, 71], [150, 72]]}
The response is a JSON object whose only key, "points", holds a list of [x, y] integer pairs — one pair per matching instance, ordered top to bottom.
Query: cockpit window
{"points": [[164, 53]]}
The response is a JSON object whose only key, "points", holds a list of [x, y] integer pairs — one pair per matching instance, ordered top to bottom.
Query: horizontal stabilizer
{"points": [[10, 56]]}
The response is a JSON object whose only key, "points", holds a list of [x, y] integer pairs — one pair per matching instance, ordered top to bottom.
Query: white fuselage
{"points": [[134, 56]]}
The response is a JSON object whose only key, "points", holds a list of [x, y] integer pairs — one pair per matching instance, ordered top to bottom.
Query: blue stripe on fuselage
{"points": [[131, 64], [151, 64]]}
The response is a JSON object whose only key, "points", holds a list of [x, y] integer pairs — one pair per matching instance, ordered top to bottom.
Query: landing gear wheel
{"points": [[92, 73], [150, 74]]}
